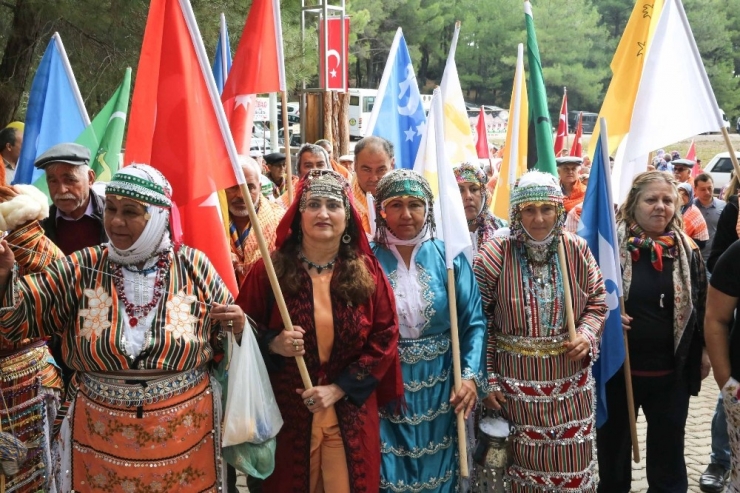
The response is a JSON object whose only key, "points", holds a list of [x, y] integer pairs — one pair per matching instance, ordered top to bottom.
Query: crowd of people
{"points": [[110, 329]]}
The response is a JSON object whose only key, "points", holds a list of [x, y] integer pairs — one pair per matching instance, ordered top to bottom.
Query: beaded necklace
{"points": [[327, 266], [543, 289], [136, 311]]}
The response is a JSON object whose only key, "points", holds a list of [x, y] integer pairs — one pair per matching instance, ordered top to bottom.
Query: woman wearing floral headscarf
{"points": [[482, 224], [140, 321], [540, 379], [419, 442]]}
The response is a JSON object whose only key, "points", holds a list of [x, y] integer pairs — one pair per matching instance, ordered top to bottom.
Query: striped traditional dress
{"points": [[31, 385], [549, 399], [161, 435]]}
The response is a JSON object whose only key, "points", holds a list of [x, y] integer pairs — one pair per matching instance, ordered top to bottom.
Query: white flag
{"points": [[433, 164]]}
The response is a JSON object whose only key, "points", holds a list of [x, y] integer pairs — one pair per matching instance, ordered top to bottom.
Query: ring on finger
{"points": [[230, 323], [296, 343], [310, 402]]}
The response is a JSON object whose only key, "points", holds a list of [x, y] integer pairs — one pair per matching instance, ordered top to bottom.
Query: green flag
{"points": [[104, 135], [540, 153]]}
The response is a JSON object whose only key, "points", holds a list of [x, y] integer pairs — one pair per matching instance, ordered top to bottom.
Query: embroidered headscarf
{"points": [[323, 183], [403, 183], [147, 186], [537, 188], [485, 222]]}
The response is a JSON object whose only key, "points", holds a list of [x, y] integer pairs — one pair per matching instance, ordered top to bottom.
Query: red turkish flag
{"points": [[336, 56], [258, 67], [175, 127], [561, 138], [481, 145], [576, 149], [691, 155]]}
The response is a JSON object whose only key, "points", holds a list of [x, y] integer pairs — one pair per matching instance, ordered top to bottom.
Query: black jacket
{"points": [[98, 205]]}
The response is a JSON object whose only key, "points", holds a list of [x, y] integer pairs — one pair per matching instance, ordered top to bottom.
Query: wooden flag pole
{"points": [[286, 141], [731, 150], [265, 252], [569, 319], [457, 371], [630, 394]]}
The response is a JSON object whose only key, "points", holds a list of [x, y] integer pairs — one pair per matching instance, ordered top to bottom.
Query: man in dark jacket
{"points": [[76, 219]]}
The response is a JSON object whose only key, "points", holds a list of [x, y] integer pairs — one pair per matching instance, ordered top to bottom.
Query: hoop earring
{"points": [[346, 238]]}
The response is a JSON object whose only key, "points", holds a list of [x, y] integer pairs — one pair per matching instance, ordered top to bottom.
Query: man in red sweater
{"points": [[76, 219]]}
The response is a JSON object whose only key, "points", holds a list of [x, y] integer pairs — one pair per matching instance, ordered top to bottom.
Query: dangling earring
{"points": [[346, 238]]}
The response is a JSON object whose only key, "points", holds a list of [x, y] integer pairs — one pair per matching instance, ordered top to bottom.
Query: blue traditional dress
{"points": [[419, 444]]}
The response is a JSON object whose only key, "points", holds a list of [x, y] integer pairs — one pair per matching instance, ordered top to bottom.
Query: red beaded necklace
{"points": [[162, 266]]}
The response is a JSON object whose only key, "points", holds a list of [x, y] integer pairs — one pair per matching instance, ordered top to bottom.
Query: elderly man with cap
{"points": [[373, 160], [682, 170], [276, 173], [573, 190], [76, 219], [244, 248]]}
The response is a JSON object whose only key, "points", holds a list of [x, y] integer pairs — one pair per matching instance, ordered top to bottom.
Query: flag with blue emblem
{"points": [[222, 62], [55, 114], [398, 115], [598, 227]]}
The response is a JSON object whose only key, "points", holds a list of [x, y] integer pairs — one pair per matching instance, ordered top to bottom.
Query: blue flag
{"points": [[222, 62], [55, 111], [398, 114], [598, 228]]}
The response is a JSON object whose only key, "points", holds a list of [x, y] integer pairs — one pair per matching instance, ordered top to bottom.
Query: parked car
{"points": [[719, 168]]}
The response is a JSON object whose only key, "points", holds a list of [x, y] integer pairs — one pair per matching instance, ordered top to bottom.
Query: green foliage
{"points": [[577, 39]]}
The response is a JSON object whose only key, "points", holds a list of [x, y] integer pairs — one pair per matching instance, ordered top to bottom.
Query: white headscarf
{"points": [[156, 235]]}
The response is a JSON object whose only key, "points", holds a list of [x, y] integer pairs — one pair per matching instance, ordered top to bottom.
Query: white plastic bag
{"points": [[251, 413]]}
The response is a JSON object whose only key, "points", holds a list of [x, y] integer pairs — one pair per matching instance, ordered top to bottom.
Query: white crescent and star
{"points": [[333, 53]]}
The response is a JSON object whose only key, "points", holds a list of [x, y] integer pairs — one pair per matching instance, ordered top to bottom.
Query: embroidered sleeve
{"points": [[32, 249], [487, 267], [212, 290], [38, 305], [591, 322], [471, 325], [361, 377]]}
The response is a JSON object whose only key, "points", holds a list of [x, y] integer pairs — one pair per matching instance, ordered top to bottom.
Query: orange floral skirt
{"points": [[162, 437]]}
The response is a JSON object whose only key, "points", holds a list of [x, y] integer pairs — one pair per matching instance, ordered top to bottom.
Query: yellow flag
{"points": [[627, 71], [515, 149]]}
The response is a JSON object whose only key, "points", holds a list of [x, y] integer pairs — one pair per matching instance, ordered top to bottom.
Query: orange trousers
{"points": [[328, 462]]}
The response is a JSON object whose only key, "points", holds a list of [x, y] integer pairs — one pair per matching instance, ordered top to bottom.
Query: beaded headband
{"points": [[469, 173], [402, 183], [327, 184], [536, 187], [139, 189]]}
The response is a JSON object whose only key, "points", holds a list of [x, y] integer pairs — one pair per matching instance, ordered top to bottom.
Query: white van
{"points": [[361, 103]]}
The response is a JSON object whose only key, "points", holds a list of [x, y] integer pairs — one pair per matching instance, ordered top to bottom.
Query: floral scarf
{"points": [[664, 246], [681, 275]]}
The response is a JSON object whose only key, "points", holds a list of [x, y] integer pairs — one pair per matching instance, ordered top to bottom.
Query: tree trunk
{"points": [[15, 67], [423, 67], [358, 75]]}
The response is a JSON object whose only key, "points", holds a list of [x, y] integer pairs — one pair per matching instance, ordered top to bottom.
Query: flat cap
{"points": [[67, 152], [347, 157], [274, 158], [569, 160], [683, 162]]}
